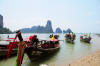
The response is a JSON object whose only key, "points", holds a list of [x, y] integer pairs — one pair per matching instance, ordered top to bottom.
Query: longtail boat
{"points": [[70, 38], [85, 39], [5, 44], [4, 47], [45, 47], [4, 52]]}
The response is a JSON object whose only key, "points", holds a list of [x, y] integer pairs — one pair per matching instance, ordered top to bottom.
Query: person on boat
{"points": [[18, 34], [8, 36], [51, 36], [56, 36], [68, 36], [73, 36], [86, 36], [81, 37], [0, 38], [31, 38], [89, 38], [34, 40], [52, 41], [20, 46]]}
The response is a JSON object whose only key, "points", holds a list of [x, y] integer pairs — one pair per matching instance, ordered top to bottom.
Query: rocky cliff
{"points": [[48, 27], [39, 29], [58, 30], [67, 31]]}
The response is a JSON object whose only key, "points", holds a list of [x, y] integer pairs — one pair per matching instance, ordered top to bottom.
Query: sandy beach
{"points": [[91, 60]]}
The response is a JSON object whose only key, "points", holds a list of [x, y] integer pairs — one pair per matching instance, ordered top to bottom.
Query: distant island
{"points": [[34, 29], [39, 29], [44, 29], [3, 30], [58, 30], [67, 31]]}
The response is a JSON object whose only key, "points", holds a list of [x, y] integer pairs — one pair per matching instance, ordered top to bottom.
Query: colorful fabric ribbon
{"points": [[20, 53]]}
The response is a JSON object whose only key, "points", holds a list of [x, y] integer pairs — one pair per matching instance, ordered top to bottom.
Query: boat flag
{"points": [[52, 37]]}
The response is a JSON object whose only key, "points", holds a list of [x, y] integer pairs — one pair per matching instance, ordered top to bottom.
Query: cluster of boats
{"points": [[71, 37], [38, 48]]}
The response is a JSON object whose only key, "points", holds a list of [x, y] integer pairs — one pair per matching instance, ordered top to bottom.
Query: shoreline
{"points": [[98, 35], [90, 60]]}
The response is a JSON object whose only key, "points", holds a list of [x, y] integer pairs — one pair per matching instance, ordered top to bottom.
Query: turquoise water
{"points": [[66, 54]]}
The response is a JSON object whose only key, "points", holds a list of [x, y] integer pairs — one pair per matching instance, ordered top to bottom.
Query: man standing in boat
{"points": [[73, 36], [21, 47]]}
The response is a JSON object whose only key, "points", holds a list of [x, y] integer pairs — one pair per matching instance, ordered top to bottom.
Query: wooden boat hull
{"points": [[70, 38], [85, 40], [69, 41], [4, 49], [4, 52], [35, 54]]}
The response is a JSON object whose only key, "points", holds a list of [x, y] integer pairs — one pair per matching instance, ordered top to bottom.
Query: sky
{"points": [[79, 15]]}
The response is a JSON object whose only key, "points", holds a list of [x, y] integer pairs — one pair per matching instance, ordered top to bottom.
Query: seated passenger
{"points": [[34, 40]]}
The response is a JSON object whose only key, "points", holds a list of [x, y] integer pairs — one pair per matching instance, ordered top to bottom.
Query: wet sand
{"points": [[91, 60]]}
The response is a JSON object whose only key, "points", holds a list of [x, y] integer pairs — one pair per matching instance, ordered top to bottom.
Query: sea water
{"points": [[65, 55]]}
